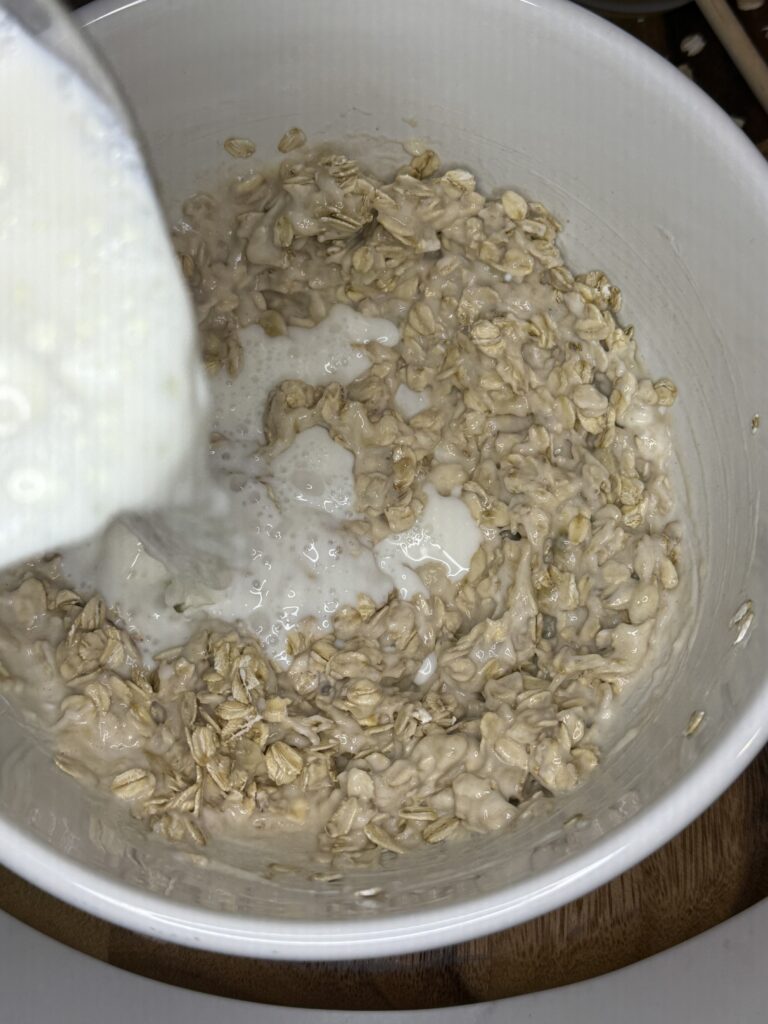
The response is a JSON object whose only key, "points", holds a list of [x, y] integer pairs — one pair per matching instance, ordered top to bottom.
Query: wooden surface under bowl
{"points": [[715, 868]]}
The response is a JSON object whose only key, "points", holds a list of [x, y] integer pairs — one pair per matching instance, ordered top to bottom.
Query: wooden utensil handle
{"points": [[731, 34]]}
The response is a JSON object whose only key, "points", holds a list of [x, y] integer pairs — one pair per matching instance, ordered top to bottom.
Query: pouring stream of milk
{"points": [[103, 402], [104, 406]]}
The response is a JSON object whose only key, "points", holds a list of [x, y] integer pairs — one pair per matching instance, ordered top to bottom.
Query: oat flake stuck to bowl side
{"points": [[241, 149]]}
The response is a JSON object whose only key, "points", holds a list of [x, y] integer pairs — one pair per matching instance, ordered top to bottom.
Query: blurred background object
{"points": [[638, 7], [678, 30]]}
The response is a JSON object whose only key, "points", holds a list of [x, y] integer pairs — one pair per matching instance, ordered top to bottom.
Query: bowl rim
{"points": [[120, 903]]}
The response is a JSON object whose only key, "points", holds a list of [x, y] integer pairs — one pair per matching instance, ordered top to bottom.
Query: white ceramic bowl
{"points": [[655, 185]]}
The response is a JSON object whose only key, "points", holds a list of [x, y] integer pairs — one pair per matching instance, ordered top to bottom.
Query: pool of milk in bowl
{"points": [[289, 555]]}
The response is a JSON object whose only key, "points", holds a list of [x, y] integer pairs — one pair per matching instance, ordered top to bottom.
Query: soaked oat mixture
{"points": [[514, 388]]}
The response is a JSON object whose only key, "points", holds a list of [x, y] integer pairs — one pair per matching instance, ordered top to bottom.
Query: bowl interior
{"points": [[656, 187]]}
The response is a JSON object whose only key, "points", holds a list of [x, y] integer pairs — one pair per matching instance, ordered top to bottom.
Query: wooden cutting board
{"points": [[714, 869]]}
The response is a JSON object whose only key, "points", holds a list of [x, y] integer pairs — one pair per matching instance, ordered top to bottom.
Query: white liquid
{"points": [[316, 355], [102, 401], [409, 402], [445, 533], [291, 555], [297, 561]]}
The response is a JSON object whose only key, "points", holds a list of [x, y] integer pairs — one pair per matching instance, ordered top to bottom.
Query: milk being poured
{"points": [[102, 398], [103, 403]]}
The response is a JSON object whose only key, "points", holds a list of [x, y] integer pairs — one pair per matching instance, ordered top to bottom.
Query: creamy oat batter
{"points": [[466, 681]]}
